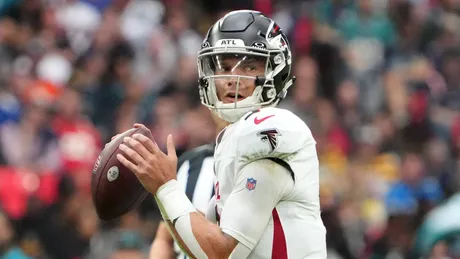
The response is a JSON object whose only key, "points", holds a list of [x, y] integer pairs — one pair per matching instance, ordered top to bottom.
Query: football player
{"points": [[266, 202]]}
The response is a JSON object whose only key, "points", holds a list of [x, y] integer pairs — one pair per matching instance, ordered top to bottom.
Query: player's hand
{"points": [[136, 125], [152, 167]]}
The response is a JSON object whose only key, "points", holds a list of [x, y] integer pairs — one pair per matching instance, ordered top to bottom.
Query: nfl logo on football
{"points": [[251, 184]]}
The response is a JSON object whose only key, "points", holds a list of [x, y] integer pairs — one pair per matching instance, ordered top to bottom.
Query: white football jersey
{"points": [[275, 215]]}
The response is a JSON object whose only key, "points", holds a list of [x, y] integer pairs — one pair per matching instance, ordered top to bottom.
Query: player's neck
{"points": [[220, 125], [220, 129]]}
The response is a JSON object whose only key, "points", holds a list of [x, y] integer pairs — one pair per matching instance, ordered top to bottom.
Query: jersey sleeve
{"points": [[271, 133], [259, 187]]}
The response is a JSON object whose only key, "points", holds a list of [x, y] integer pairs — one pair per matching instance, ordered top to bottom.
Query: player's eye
{"points": [[250, 67], [224, 68]]}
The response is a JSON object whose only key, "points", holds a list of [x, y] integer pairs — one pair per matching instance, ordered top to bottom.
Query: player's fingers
{"points": [[139, 125], [111, 139], [148, 143], [170, 146], [138, 147], [130, 153], [132, 167]]}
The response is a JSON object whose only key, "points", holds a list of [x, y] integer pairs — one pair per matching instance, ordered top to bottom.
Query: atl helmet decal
{"points": [[270, 136]]}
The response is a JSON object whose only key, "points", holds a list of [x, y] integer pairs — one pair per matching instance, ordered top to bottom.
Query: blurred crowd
{"points": [[378, 82]]}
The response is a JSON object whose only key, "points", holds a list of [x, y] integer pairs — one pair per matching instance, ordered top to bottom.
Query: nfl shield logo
{"points": [[251, 184]]}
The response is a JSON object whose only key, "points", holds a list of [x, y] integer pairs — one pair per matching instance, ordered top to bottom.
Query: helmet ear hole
{"points": [[268, 93]]}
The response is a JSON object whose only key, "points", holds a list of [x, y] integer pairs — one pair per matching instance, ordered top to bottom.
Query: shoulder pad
{"points": [[271, 132]]}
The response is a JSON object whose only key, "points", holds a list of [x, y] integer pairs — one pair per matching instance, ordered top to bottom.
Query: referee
{"points": [[196, 175]]}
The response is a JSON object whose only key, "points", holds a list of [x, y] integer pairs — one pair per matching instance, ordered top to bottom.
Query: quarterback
{"points": [[266, 202]]}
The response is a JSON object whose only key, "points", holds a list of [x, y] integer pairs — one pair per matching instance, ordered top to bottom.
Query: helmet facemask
{"points": [[234, 71]]}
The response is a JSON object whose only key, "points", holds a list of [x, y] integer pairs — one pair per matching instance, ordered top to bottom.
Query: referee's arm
{"points": [[162, 247]]}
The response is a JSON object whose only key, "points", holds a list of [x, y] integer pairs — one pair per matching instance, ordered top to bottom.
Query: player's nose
{"points": [[232, 82]]}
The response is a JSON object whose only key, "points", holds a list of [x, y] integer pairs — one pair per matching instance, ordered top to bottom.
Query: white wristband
{"points": [[173, 200]]}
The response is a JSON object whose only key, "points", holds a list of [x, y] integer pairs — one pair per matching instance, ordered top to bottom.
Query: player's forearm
{"points": [[172, 231], [208, 236], [198, 237], [214, 242]]}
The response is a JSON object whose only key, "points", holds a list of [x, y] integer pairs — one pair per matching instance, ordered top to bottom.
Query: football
{"points": [[115, 189]]}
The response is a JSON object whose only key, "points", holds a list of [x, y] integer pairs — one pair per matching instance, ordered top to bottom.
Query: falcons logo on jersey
{"points": [[271, 136]]}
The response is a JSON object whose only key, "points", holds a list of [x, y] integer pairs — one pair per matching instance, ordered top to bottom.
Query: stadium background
{"points": [[378, 83]]}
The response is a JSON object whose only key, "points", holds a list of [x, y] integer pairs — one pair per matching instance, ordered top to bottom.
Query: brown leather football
{"points": [[115, 189]]}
